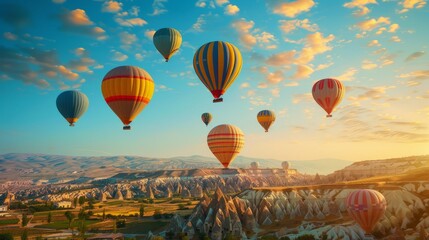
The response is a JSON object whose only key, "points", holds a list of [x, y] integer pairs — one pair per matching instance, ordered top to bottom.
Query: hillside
{"points": [[42, 166]]}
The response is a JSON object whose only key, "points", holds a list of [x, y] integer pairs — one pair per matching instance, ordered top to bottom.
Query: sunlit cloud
{"points": [[410, 4], [361, 5], [112, 6], [291, 8], [231, 9], [78, 22], [131, 22], [371, 24], [198, 25], [288, 26], [243, 27], [393, 28], [149, 34], [127, 38], [395, 39], [374, 43], [315, 44], [281, 59], [368, 65], [323, 66], [302, 72], [348, 75], [275, 77], [244, 85], [263, 85], [275, 92], [374, 93], [304, 97]]}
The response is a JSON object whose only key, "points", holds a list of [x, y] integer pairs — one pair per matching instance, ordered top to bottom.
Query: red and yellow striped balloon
{"points": [[127, 90], [328, 93], [266, 118], [225, 141], [366, 207]]}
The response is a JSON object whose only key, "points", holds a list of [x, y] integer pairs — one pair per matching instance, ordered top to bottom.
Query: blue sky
{"points": [[378, 49]]}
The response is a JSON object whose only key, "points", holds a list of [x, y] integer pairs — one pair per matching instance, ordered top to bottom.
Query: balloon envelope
{"points": [[167, 41], [217, 64], [127, 90], [328, 93], [72, 105], [207, 118], [266, 118], [225, 141], [366, 207]]}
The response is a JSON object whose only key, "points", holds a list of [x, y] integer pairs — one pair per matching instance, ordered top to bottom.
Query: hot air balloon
{"points": [[167, 41], [217, 64], [127, 90], [328, 93], [72, 105], [207, 118], [266, 118], [225, 141], [366, 207]]}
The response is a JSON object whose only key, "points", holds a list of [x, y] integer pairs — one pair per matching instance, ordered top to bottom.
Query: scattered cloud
{"points": [[221, 2], [410, 4], [361, 5], [112, 6], [158, 7], [290, 8], [231, 9], [77, 21], [131, 22], [371, 24], [198, 25], [288, 26], [243, 28], [393, 28], [149, 34], [10, 36], [127, 38], [395, 39], [374, 43], [314, 44], [118, 56], [414, 56], [281, 59], [368, 65], [323, 66], [302, 72], [348, 75], [416, 75], [275, 77], [244, 85], [275, 92], [374, 93], [304, 97]]}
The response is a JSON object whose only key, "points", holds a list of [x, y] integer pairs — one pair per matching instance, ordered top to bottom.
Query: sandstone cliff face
{"points": [[318, 212]]}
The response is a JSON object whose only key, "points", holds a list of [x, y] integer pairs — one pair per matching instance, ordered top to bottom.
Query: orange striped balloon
{"points": [[127, 90], [328, 93], [225, 141], [366, 207]]}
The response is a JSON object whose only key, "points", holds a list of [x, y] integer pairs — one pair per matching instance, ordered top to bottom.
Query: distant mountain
{"points": [[42, 166]]}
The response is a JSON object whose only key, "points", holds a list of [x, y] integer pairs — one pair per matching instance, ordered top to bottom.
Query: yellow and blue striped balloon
{"points": [[167, 41], [217, 64], [72, 105], [207, 118], [266, 118]]}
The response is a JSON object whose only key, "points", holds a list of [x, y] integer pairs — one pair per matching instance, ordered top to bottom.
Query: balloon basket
{"points": [[218, 100], [329, 115], [71, 125], [126, 128]]}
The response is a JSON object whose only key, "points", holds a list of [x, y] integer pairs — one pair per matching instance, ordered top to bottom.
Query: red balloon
{"points": [[328, 93], [366, 207]]}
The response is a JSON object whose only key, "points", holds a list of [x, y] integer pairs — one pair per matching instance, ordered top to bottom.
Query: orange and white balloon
{"points": [[328, 93], [225, 141], [366, 207]]}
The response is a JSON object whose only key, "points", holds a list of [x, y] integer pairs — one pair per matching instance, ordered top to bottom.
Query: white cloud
{"points": [[361, 5], [112, 6], [158, 7], [291, 8], [231, 9], [131, 22], [371, 24], [198, 25], [288, 26], [393, 28], [149, 34], [127, 38], [395, 39], [374, 43], [118, 56], [368, 65], [303, 71], [348, 75], [244, 85]]}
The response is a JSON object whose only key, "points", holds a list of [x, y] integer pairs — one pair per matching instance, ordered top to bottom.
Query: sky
{"points": [[377, 48]]}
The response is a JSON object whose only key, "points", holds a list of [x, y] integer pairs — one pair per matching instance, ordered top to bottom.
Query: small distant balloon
{"points": [[167, 41], [217, 64], [127, 90], [328, 93], [72, 105], [207, 118], [266, 118], [225, 142], [366, 207]]}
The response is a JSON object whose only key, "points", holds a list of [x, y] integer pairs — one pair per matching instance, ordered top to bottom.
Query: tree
{"points": [[81, 200], [75, 202], [141, 211], [104, 214], [82, 215], [70, 216], [49, 217], [24, 220], [82, 228], [24, 235], [6, 236]]}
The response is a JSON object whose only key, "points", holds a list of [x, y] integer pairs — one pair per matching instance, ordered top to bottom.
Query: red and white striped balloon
{"points": [[328, 93], [366, 207]]}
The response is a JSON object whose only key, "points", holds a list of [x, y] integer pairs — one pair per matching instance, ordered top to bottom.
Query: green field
{"points": [[9, 221], [65, 224], [140, 227]]}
